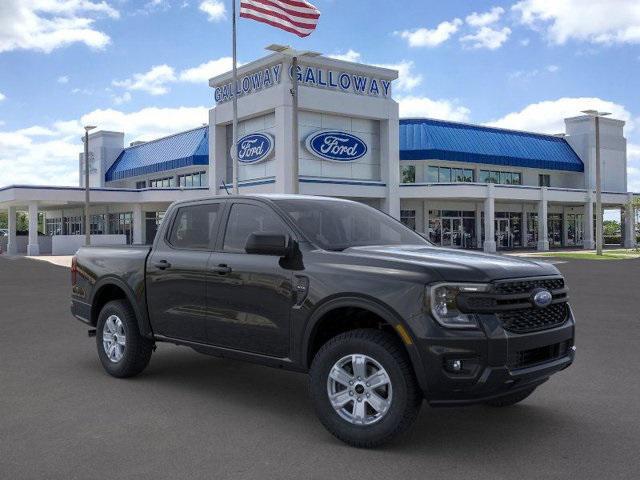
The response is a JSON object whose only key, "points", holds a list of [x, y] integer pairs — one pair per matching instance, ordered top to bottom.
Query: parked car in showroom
{"points": [[377, 316]]}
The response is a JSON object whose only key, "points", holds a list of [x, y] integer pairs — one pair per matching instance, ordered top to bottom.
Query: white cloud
{"points": [[214, 9], [484, 19], [595, 21], [45, 25], [423, 37], [487, 37], [525, 42], [348, 56], [203, 72], [529, 74], [407, 78], [63, 79], [154, 81], [2, 96], [120, 99], [414, 106], [548, 116], [48, 155], [633, 167]]}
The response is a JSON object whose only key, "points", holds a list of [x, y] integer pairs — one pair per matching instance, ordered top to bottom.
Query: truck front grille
{"points": [[525, 286], [511, 301], [534, 319]]}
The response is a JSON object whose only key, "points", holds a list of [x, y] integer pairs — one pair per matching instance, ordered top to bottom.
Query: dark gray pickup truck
{"points": [[379, 317]]}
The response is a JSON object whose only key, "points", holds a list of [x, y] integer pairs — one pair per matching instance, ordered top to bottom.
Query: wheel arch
{"points": [[112, 288], [334, 307]]}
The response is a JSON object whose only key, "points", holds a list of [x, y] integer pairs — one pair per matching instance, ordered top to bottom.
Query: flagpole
{"points": [[294, 126], [234, 149]]}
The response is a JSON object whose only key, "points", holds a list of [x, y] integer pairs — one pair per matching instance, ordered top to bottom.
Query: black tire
{"points": [[137, 350], [407, 397], [512, 399]]}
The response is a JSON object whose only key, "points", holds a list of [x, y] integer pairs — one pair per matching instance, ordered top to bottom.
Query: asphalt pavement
{"points": [[189, 416]]}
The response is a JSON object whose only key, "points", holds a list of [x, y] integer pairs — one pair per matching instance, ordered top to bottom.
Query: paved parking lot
{"points": [[191, 416]]}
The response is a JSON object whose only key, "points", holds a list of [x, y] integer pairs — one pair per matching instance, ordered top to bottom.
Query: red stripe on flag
{"points": [[269, 4], [287, 18], [275, 24]]}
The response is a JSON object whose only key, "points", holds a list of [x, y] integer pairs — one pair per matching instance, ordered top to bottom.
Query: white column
{"points": [[284, 156], [390, 162], [425, 217], [489, 221], [138, 224], [629, 224], [478, 225], [523, 227], [565, 227], [543, 234], [588, 242], [12, 246], [33, 248]]}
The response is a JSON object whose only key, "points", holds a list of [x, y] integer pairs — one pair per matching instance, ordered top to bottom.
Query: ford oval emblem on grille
{"points": [[541, 298]]}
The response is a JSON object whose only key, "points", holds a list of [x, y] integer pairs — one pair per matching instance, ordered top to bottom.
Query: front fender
{"points": [[376, 307]]}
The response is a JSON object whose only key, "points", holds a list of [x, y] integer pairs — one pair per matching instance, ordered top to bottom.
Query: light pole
{"points": [[294, 55], [596, 115], [87, 218]]}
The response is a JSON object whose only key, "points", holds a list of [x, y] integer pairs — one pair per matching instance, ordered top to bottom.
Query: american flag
{"points": [[295, 16]]}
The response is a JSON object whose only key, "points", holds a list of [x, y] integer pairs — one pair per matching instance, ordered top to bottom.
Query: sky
{"points": [[142, 66]]}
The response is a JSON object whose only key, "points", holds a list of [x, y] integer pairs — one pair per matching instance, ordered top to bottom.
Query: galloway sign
{"points": [[308, 76], [342, 81], [252, 82], [336, 146], [255, 148]]}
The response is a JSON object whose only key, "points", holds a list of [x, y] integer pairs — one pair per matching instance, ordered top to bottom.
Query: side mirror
{"points": [[264, 243]]}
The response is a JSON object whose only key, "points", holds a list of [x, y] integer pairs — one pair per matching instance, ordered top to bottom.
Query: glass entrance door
{"points": [[452, 233], [575, 233], [504, 238]]}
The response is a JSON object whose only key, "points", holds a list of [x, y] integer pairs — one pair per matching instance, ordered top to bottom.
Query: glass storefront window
{"points": [[408, 174], [432, 174], [444, 174], [408, 217], [452, 228]]}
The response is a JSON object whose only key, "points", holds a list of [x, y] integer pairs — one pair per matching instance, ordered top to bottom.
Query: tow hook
{"points": [[91, 332]]}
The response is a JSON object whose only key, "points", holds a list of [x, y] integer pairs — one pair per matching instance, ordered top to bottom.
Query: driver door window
{"points": [[245, 219]]}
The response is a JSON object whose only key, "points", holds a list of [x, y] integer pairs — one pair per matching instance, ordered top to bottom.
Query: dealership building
{"points": [[464, 186]]}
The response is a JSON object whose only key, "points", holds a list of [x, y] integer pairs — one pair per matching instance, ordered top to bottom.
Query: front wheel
{"points": [[123, 351], [363, 388]]}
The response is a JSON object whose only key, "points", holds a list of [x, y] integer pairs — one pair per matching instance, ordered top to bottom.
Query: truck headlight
{"points": [[444, 307]]}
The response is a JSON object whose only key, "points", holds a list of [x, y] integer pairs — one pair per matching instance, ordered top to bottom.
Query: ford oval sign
{"points": [[336, 146], [255, 148], [542, 298]]}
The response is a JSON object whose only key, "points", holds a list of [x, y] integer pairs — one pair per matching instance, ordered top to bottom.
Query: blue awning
{"points": [[427, 139], [176, 151]]}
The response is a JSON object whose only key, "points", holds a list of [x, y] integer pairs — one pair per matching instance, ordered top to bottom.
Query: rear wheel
{"points": [[123, 352], [363, 388], [512, 399]]}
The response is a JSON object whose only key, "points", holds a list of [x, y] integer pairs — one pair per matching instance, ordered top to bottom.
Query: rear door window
{"points": [[195, 226]]}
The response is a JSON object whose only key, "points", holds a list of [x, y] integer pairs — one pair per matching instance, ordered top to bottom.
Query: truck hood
{"points": [[458, 265]]}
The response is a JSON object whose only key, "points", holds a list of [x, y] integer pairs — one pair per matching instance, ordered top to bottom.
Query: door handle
{"points": [[162, 264], [221, 269]]}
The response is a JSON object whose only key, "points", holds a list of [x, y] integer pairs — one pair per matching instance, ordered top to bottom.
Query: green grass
{"points": [[606, 255]]}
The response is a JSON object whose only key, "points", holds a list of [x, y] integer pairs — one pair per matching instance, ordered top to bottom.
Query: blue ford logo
{"points": [[336, 146], [255, 147], [542, 298]]}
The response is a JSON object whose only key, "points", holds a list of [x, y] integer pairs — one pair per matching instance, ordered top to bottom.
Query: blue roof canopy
{"points": [[426, 139], [176, 151]]}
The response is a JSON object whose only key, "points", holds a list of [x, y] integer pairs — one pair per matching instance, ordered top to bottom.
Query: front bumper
{"points": [[494, 361]]}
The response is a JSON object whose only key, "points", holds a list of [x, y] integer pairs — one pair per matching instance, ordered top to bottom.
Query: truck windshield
{"points": [[336, 225]]}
